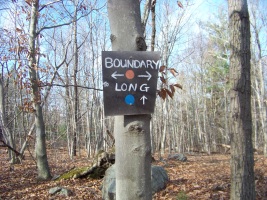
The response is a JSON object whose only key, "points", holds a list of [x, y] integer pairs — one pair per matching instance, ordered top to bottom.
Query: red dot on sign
{"points": [[129, 74]]}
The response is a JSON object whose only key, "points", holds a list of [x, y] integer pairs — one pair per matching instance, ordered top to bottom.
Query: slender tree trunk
{"points": [[146, 14], [153, 19], [260, 93], [76, 96], [262, 107], [226, 117], [3, 123], [88, 128], [163, 132], [132, 133], [152, 138], [40, 146], [23, 147], [242, 158]]}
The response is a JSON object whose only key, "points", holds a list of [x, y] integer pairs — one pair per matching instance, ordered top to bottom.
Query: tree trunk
{"points": [[147, 8], [153, 21], [260, 92], [76, 96], [3, 123], [132, 133], [40, 146], [23, 147], [242, 158]]}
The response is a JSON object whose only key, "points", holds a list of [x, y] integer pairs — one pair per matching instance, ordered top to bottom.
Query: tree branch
{"points": [[48, 5], [65, 24], [70, 85], [9, 147]]}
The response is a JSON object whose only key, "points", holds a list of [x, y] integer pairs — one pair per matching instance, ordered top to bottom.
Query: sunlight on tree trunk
{"points": [[258, 87], [3, 124], [132, 133], [40, 146], [242, 158]]}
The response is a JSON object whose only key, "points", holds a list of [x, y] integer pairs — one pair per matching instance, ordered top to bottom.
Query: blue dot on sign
{"points": [[129, 99]]}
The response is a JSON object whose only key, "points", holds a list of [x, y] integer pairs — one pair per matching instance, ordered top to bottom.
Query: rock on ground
{"points": [[178, 156], [159, 180], [60, 190]]}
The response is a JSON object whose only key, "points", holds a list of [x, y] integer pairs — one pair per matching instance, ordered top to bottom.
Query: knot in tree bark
{"points": [[112, 38], [140, 43], [135, 128]]}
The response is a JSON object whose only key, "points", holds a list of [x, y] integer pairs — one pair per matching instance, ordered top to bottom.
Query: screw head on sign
{"points": [[105, 84]]}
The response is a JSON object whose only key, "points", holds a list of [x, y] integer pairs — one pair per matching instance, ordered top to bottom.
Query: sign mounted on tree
{"points": [[129, 81]]}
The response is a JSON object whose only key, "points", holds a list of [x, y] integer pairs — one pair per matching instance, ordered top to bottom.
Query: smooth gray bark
{"points": [[146, 14], [153, 21], [260, 93], [76, 95], [4, 124], [132, 133], [40, 146], [133, 157], [242, 158]]}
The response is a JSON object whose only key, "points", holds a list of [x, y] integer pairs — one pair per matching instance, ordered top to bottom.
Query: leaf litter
{"points": [[202, 177]]}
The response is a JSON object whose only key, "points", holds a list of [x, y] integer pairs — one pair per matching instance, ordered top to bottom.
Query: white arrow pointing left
{"points": [[114, 75], [148, 75], [143, 98]]}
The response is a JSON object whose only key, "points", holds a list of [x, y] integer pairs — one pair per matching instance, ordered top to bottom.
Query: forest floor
{"points": [[200, 177]]}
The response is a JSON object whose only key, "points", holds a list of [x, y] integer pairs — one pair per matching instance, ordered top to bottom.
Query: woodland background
{"points": [[194, 45]]}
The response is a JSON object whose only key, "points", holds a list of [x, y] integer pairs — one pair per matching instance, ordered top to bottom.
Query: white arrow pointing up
{"points": [[114, 75], [148, 75], [143, 98]]}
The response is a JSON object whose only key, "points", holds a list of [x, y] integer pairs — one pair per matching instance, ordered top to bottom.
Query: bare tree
{"points": [[76, 95], [260, 119], [8, 137], [40, 145], [242, 158]]}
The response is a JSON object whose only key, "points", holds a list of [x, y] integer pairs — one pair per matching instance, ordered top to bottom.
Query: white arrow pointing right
{"points": [[148, 76]]}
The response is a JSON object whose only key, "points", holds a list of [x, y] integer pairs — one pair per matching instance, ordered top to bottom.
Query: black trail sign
{"points": [[129, 81]]}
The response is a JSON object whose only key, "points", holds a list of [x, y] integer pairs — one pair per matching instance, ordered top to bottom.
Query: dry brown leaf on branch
{"points": [[29, 2], [180, 4], [162, 68], [173, 71], [163, 80], [178, 85], [172, 89], [162, 93], [169, 93]]}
